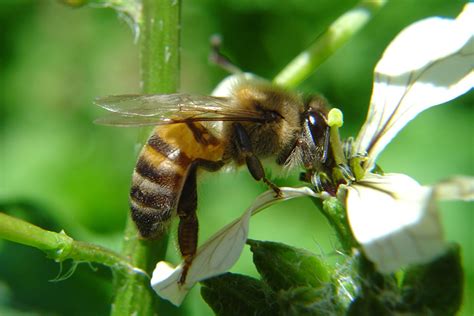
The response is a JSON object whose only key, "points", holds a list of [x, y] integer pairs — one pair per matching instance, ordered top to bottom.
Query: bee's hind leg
{"points": [[253, 163], [188, 222]]}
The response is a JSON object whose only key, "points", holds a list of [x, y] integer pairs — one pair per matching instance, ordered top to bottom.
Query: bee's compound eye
{"points": [[317, 125]]}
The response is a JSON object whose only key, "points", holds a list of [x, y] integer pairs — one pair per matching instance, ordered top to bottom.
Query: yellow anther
{"points": [[335, 118]]}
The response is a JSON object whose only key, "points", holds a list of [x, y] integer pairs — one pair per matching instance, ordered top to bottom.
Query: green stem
{"points": [[338, 33], [160, 46], [159, 54], [336, 215], [59, 246], [133, 295]]}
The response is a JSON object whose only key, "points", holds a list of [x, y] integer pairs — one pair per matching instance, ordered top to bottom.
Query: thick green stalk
{"points": [[338, 33], [160, 46], [159, 56]]}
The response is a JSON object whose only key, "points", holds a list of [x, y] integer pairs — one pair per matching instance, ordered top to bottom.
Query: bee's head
{"points": [[315, 117], [317, 126], [314, 140], [310, 149]]}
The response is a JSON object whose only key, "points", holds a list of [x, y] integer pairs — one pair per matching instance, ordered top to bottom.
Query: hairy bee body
{"points": [[258, 121], [171, 151], [161, 170]]}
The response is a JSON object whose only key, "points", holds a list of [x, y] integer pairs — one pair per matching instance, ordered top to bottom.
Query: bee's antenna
{"points": [[218, 58]]}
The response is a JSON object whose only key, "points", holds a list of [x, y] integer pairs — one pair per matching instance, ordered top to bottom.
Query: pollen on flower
{"points": [[335, 118]]}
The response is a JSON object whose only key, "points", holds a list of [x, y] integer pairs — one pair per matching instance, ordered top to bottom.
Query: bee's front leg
{"points": [[254, 165]]}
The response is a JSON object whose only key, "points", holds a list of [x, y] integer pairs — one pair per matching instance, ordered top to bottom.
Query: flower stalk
{"points": [[336, 35], [159, 46]]}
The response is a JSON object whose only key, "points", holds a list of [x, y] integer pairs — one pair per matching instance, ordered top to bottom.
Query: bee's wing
{"points": [[158, 109]]}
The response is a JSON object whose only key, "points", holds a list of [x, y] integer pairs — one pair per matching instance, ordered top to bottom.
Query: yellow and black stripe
{"points": [[162, 169], [157, 181]]}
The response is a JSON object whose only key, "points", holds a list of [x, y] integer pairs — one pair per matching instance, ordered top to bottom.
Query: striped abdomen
{"points": [[160, 173]]}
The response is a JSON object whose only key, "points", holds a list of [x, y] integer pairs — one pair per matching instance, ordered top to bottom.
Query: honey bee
{"points": [[257, 122]]}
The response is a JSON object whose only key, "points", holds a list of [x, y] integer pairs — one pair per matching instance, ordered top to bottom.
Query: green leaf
{"points": [[283, 267], [435, 288], [372, 293], [235, 294], [308, 301]]}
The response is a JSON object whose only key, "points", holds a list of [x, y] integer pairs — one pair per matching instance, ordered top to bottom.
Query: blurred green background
{"points": [[60, 171]]}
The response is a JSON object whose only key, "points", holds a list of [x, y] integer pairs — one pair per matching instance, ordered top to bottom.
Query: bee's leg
{"points": [[220, 59], [325, 145], [253, 163], [188, 222]]}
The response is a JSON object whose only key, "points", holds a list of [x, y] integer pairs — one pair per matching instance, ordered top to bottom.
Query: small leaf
{"points": [[284, 267], [435, 288], [235, 294], [308, 301]]}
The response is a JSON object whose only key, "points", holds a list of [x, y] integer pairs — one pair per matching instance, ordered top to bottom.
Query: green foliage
{"points": [[61, 172], [283, 267], [294, 282], [297, 282], [438, 287], [236, 294], [306, 300]]}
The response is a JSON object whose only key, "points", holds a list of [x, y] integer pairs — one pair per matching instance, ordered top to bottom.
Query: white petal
{"points": [[428, 63], [226, 87], [455, 188], [394, 220], [218, 254], [165, 282]]}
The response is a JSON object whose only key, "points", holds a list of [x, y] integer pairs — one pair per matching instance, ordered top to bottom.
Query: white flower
{"points": [[428, 63], [392, 216]]}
